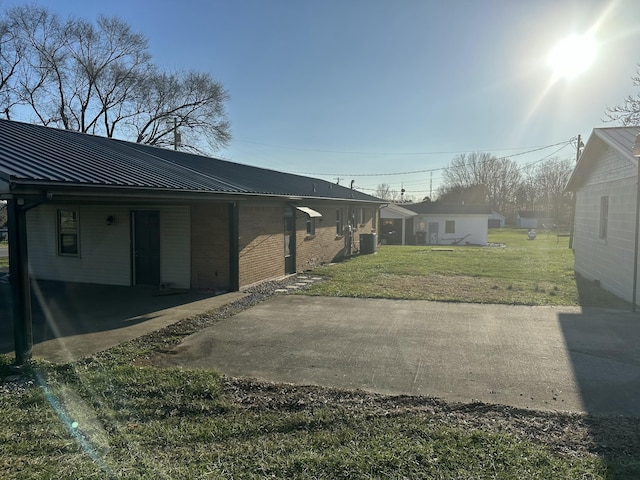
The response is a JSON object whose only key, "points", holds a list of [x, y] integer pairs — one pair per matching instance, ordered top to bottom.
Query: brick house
{"points": [[96, 210]]}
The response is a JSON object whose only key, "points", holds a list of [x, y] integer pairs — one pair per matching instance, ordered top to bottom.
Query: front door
{"points": [[433, 232], [289, 241], [146, 247]]}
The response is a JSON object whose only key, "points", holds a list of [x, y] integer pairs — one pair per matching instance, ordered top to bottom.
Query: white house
{"points": [[604, 184], [433, 223]]}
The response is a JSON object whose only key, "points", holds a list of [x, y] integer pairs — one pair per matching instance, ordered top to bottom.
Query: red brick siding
{"points": [[261, 243], [210, 246], [325, 246]]}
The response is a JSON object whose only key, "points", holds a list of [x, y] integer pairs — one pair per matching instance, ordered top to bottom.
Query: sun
{"points": [[572, 56]]}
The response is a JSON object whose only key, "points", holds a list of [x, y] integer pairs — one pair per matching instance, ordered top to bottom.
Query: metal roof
{"points": [[621, 139], [33, 155]]}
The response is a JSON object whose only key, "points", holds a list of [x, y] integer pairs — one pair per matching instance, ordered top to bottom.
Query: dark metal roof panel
{"points": [[35, 154]]}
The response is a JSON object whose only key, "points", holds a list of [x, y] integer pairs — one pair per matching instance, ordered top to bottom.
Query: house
{"points": [[604, 183], [106, 211], [533, 219], [496, 220], [434, 223]]}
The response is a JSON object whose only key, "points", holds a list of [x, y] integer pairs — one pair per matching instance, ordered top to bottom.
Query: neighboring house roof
{"points": [[621, 139], [39, 156], [445, 208], [395, 211], [532, 214]]}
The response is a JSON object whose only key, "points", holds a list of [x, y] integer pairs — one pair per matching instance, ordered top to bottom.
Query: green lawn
{"points": [[519, 271], [107, 417], [97, 420]]}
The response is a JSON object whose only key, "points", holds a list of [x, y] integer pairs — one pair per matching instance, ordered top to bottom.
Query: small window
{"points": [[604, 216], [374, 219], [362, 221], [338, 222], [311, 226], [450, 226], [68, 232]]}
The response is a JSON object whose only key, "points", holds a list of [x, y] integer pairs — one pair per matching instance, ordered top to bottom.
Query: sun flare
{"points": [[572, 56]]}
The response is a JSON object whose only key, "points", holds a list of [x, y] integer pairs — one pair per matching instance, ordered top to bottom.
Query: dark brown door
{"points": [[146, 247]]}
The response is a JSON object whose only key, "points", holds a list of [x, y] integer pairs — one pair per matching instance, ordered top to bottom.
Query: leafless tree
{"points": [[98, 78], [192, 102], [627, 113], [499, 176], [550, 179], [383, 191]]}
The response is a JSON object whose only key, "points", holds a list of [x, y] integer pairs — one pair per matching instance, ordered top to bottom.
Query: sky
{"points": [[382, 91]]}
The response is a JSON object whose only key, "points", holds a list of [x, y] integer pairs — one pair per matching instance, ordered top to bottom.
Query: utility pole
{"points": [[579, 148]]}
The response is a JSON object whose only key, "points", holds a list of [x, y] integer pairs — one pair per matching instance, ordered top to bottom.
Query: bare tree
{"points": [[11, 54], [98, 78], [191, 102], [627, 113], [499, 176], [550, 179], [383, 191]]}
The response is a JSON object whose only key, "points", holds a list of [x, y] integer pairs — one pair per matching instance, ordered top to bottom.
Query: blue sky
{"points": [[364, 89]]}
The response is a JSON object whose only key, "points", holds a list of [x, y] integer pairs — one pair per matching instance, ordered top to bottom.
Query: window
{"points": [[604, 216], [374, 219], [338, 222], [362, 222], [311, 226], [450, 226], [68, 232]]}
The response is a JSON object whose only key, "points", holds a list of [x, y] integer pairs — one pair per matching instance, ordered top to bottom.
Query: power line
{"points": [[352, 152], [413, 172]]}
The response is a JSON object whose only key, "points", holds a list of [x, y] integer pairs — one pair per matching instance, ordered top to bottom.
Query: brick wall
{"points": [[261, 242], [210, 246], [326, 246]]}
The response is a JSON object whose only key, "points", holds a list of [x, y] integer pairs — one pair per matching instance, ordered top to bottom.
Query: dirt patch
{"points": [[612, 438]]}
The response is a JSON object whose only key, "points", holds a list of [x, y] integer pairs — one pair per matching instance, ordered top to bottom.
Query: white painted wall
{"points": [[475, 225], [105, 250], [608, 260]]}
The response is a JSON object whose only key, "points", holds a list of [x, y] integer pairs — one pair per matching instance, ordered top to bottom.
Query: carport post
{"points": [[19, 278]]}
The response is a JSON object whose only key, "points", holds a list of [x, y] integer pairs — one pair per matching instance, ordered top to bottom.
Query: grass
{"points": [[520, 272], [104, 418], [96, 420]]}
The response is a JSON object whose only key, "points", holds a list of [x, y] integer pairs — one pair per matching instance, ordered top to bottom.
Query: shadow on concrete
{"points": [[63, 310], [603, 346]]}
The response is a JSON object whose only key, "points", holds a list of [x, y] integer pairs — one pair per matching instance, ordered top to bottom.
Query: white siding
{"points": [[476, 226], [175, 246], [105, 250], [609, 260]]}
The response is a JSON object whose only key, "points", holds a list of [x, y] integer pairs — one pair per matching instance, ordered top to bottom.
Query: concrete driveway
{"points": [[568, 359]]}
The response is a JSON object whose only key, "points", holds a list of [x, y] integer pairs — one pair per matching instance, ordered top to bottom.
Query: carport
{"points": [[72, 320]]}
